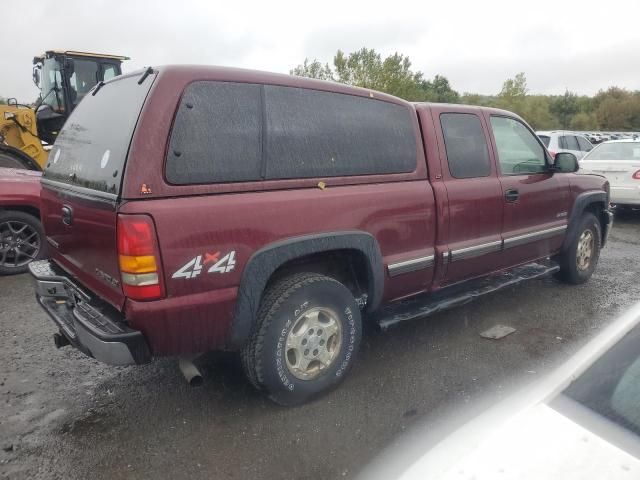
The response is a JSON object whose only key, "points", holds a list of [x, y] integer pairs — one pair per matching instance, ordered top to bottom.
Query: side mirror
{"points": [[566, 162]]}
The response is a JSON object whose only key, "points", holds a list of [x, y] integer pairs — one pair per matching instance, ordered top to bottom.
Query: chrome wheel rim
{"points": [[19, 243], [584, 252], [313, 343]]}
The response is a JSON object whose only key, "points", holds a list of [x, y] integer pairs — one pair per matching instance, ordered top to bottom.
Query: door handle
{"points": [[511, 195]]}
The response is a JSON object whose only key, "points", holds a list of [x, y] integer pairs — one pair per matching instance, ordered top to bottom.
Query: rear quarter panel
{"points": [[400, 216]]}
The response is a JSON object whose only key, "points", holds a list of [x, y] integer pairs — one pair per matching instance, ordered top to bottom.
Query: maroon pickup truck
{"points": [[189, 209]]}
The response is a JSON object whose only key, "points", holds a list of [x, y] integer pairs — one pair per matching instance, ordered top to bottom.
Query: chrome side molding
{"points": [[410, 265]]}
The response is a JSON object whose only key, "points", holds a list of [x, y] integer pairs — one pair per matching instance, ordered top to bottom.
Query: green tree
{"points": [[362, 68], [313, 69], [394, 75], [515, 87], [439, 90], [513, 94], [3, 101], [565, 107], [617, 109], [535, 110], [583, 121]]}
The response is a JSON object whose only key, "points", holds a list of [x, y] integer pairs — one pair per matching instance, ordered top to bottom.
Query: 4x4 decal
{"points": [[194, 267]]}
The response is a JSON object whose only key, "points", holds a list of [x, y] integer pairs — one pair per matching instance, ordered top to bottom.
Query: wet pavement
{"points": [[66, 416]]}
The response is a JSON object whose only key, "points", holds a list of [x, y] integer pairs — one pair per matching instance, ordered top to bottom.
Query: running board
{"points": [[428, 304]]}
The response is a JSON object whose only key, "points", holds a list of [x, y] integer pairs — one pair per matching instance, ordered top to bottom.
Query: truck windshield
{"points": [[51, 87], [92, 147]]}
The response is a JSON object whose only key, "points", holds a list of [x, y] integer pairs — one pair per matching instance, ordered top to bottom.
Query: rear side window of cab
{"points": [[238, 132]]}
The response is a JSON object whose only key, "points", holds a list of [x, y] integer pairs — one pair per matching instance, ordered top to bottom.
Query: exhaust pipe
{"points": [[190, 371]]}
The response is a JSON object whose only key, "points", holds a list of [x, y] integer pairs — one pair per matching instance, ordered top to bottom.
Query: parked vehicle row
{"points": [[599, 137], [619, 162], [270, 214]]}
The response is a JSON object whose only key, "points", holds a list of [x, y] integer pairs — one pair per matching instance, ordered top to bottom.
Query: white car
{"points": [[562, 141], [619, 161], [581, 422]]}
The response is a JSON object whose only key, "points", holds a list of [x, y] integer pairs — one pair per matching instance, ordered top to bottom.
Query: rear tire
{"points": [[21, 241], [579, 261], [307, 334]]}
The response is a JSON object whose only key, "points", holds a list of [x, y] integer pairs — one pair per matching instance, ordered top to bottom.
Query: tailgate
{"points": [[81, 183], [81, 232]]}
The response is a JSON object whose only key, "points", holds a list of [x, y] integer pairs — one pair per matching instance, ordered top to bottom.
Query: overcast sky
{"points": [[477, 44]]}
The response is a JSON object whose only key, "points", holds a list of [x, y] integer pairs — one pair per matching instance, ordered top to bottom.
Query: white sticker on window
{"points": [[105, 159]]}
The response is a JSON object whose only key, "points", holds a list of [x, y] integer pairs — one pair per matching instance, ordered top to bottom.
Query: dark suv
{"points": [[193, 208]]}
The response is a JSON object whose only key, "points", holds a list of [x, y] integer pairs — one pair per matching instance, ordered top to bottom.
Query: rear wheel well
{"points": [[33, 211], [347, 266]]}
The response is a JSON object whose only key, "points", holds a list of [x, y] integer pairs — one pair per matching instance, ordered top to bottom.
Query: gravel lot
{"points": [[67, 416]]}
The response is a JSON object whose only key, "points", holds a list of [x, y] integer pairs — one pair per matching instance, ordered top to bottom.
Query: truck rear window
{"points": [[92, 147]]}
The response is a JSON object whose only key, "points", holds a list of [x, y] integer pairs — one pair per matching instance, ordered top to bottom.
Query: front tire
{"points": [[579, 261], [307, 334]]}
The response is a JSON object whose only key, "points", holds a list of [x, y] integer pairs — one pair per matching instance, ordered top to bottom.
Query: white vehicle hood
{"points": [[537, 444]]}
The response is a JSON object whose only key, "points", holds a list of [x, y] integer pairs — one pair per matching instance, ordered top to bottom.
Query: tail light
{"points": [[553, 154], [636, 176], [139, 258]]}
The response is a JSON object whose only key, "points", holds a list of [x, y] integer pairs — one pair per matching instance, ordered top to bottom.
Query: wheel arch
{"points": [[27, 162], [593, 202], [28, 209], [294, 254]]}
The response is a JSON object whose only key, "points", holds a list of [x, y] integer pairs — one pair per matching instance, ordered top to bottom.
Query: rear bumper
{"points": [[625, 195], [92, 328]]}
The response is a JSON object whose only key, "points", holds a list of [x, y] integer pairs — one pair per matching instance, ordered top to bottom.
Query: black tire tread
{"points": [[567, 259], [275, 295]]}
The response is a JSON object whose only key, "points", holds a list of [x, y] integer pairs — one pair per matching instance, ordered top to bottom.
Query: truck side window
{"points": [[311, 133], [216, 135], [467, 151], [519, 152]]}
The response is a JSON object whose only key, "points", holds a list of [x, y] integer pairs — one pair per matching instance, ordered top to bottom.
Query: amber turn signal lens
{"points": [[138, 264]]}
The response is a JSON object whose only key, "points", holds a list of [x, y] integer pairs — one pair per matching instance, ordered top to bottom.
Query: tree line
{"points": [[613, 109]]}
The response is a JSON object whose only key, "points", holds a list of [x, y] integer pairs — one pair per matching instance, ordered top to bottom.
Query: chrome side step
{"points": [[459, 294]]}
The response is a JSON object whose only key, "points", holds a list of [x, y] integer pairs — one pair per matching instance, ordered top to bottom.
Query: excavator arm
{"points": [[19, 142]]}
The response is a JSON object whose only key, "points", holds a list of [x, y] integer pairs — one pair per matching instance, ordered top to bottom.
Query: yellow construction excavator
{"points": [[64, 77]]}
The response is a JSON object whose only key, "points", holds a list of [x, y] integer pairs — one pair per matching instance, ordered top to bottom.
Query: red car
{"points": [[193, 208], [21, 234]]}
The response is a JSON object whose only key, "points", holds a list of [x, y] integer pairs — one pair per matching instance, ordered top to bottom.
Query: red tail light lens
{"points": [[636, 176], [138, 257]]}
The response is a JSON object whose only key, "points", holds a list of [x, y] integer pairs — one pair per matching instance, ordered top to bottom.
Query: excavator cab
{"points": [[64, 78]]}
